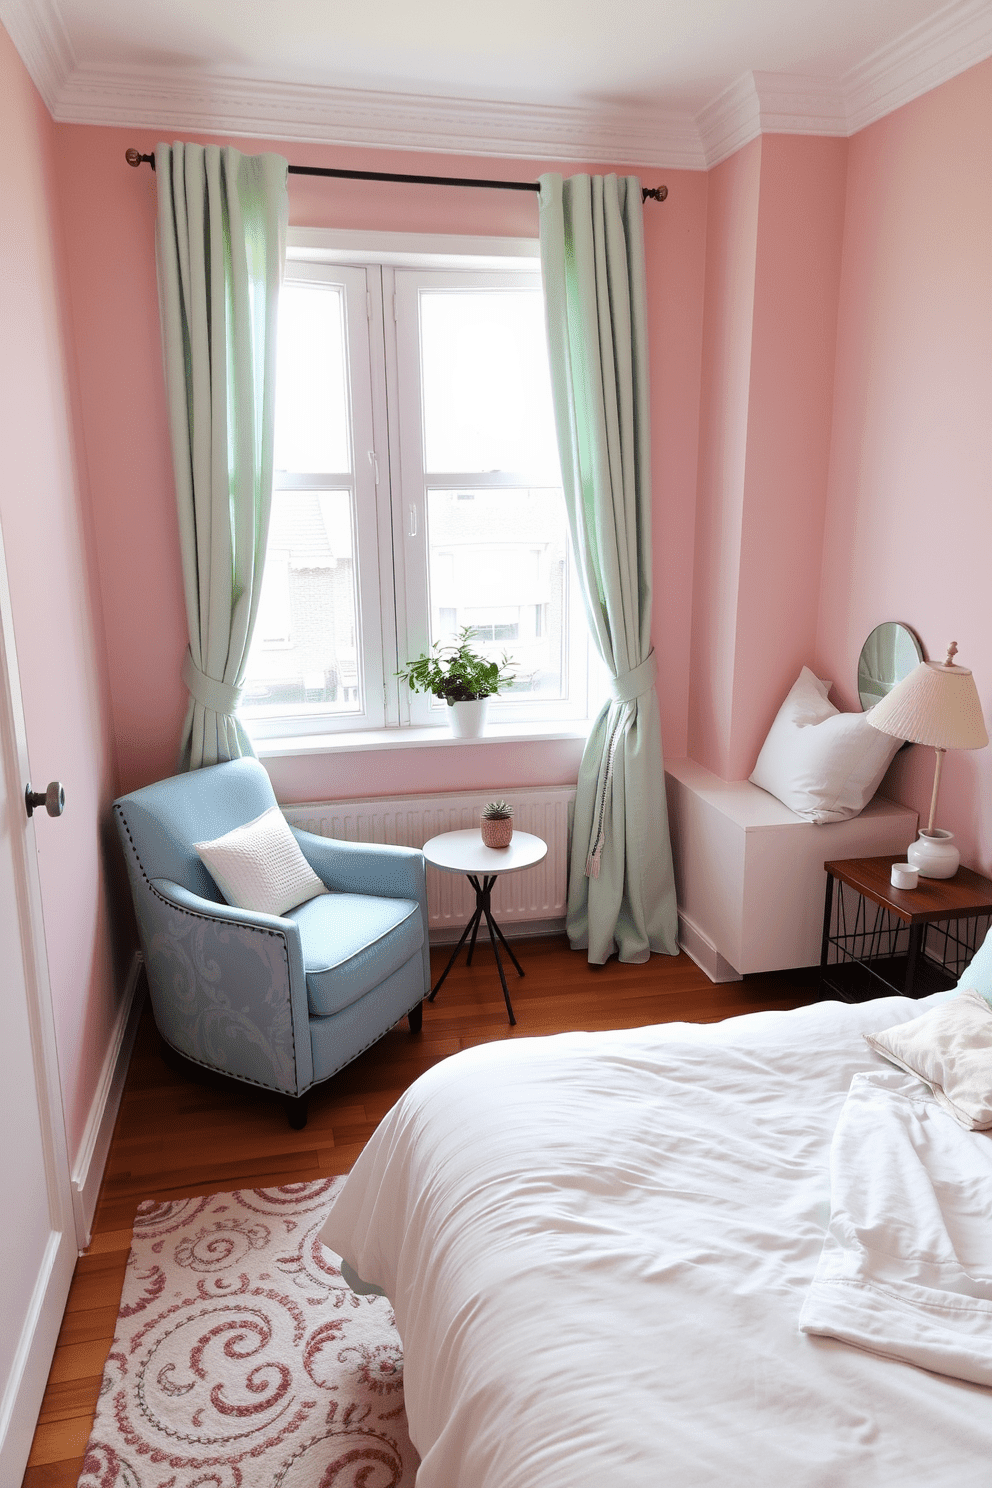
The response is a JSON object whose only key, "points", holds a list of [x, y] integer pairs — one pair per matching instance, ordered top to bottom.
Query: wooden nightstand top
{"points": [[956, 898]]}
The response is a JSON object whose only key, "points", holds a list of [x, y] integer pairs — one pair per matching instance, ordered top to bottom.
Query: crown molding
{"points": [[958, 37], [42, 42], [160, 98], [172, 99], [769, 103], [790, 104], [730, 122]]}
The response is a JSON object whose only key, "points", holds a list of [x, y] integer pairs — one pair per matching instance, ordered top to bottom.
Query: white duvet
{"points": [[598, 1247], [906, 1266]]}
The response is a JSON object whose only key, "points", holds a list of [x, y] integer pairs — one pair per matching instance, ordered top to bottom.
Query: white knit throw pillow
{"points": [[260, 866]]}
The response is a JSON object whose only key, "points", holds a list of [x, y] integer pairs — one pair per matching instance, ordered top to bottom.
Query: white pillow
{"points": [[824, 765], [260, 866], [950, 1048]]}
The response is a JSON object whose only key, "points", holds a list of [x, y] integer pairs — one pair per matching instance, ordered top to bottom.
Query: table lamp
{"points": [[937, 704]]}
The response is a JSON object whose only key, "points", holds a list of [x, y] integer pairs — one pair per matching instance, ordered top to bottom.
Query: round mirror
{"points": [[889, 654]]}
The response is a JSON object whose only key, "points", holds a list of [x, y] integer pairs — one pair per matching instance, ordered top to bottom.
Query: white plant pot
{"points": [[468, 720], [934, 854]]}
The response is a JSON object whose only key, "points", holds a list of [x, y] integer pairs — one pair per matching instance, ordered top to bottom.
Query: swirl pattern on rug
{"points": [[242, 1359]]}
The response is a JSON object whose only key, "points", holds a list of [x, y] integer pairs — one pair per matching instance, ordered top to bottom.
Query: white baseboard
{"points": [[701, 949], [87, 1172]]}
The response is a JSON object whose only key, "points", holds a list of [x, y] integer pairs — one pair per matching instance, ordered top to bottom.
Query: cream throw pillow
{"points": [[824, 765], [260, 866], [950, 1048]]}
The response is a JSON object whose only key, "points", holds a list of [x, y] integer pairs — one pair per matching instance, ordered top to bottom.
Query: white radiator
{"points": [[529, 902]]}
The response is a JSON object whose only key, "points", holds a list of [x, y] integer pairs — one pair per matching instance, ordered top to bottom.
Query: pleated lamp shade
{"points": [[937, 704]]}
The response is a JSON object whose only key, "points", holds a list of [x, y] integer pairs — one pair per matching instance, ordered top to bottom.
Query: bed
{"points": [[598, 1249]]}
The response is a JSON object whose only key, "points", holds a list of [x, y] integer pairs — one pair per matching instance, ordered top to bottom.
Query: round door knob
{"points": [[53, 799]]}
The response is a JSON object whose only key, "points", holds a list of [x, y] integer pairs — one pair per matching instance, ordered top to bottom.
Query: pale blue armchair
{"points": [[282, 1001]]}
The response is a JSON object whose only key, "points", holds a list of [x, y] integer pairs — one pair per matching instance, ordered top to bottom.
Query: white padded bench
{"points": [[749, 872]]}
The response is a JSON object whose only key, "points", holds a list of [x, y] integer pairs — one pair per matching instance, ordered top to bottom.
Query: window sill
{"points": [[433, 737]]}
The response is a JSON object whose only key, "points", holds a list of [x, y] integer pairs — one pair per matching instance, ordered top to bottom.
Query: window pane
{"points": [[486, 386], [312, 403], [498, 562], [304, 654]]}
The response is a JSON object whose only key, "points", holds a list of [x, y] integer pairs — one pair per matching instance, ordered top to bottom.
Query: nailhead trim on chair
{"points": [[255, 930]]}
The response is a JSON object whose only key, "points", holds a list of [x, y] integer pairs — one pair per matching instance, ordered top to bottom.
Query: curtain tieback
{"points": [[636, 682], [623, 689], [219, 697]]}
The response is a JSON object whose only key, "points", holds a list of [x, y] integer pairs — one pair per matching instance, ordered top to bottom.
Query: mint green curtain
{"points": [[221, 245], [621, 895]]}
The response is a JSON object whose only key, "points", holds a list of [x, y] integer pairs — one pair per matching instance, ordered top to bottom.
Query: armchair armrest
{"points": [[365, 867], [371, 868], [228, 986]]}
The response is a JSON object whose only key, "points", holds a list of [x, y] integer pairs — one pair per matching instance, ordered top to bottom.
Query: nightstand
{"points": [[879, 941]]}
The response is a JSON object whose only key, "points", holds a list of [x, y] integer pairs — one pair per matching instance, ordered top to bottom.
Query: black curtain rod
{"points": [[656, 193]]}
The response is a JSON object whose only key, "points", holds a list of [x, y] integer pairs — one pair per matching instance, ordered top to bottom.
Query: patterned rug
{"points": [[241, 1358]]}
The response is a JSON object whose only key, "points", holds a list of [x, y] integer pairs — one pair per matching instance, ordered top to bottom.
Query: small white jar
{"points": [[904, 876]]}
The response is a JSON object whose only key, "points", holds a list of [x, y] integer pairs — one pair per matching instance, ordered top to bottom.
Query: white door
{"points": [[37, 1239]]}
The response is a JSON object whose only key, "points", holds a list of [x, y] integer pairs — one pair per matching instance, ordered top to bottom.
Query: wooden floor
{"points": [[176, 1138]]}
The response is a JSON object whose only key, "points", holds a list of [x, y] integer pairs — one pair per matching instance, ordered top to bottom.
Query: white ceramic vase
{"points": [[468, 720], [934, 854]]}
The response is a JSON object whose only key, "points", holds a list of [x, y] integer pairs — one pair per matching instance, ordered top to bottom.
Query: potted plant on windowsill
{"points": [[463, 678]]}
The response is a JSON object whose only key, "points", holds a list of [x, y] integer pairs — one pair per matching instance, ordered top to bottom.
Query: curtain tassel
{"points": [[595, 855]]}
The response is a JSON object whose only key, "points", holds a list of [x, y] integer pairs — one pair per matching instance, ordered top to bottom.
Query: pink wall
{"points": [[110, 215], [731, 249], [772, 269], [793, 343], [909, 523], [57, 621]]}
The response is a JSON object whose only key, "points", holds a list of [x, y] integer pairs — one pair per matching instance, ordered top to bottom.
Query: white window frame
{"points": [[405, 284], [362, 303], [391, 557]]}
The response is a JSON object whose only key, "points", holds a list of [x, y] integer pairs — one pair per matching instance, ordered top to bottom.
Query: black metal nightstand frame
{"points": [[879, 941]]}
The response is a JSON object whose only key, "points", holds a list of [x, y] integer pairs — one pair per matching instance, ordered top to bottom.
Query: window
{"points": [[417, 491]]}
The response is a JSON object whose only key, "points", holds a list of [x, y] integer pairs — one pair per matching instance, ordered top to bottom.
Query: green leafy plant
{"points": [[458, 674], [497, 811]]}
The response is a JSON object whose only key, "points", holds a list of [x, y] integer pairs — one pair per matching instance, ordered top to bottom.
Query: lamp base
{"points": [[934, 854]]}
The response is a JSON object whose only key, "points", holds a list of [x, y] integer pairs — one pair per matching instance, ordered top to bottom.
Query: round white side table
{"points": [[465, 852]]}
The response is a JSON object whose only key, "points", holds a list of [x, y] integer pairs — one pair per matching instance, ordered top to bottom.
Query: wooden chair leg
{"points": [[416, 1018], [297, 1110]]}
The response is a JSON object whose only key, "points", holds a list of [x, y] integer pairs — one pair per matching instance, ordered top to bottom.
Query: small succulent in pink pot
{"points": [[497, 824]]}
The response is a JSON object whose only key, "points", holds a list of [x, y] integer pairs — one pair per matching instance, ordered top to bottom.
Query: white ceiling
{"points": [[676, 82]]}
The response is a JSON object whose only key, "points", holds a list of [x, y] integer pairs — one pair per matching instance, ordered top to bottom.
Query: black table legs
{"points": [[483, 910]]}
